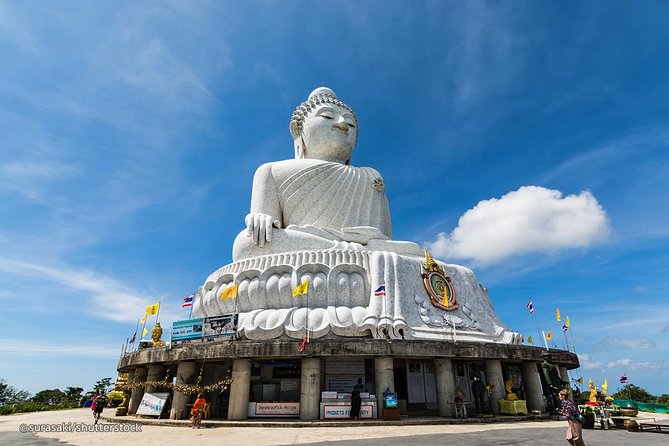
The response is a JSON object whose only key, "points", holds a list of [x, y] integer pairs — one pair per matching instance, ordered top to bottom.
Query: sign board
{"points": [[216, 326], [188, 329], [334, 366], [343, 383], [290, 385], [389, 399], [152, 404], [274, 409], [343, 410]]}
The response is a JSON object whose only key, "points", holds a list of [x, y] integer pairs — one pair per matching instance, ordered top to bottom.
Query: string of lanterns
{"points": [[219, 386], [188, 389]]}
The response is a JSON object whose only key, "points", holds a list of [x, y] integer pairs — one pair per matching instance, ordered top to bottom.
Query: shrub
{"points": [[6, 410]]}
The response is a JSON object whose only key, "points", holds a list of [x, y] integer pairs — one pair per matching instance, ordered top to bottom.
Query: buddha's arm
{"points": [[265, 206]]}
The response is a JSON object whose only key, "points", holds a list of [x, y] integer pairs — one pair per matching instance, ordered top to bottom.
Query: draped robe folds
{"points": [[334, 196], [332, 227]]}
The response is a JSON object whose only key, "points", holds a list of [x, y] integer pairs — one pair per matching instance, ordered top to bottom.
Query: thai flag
{"points": [[380, 291], [188, 301], [529, 305], [564, 328], [134, 335], [303, 344], [623, 379]]}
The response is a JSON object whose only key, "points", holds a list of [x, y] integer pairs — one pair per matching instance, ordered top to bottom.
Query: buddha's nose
{"points": [[341, 123]]}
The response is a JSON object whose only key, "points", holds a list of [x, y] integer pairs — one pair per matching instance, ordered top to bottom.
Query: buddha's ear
{"points": [[295, 129], [300, 152]]}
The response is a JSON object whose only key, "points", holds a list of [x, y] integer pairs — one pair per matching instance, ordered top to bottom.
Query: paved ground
{"points": [[529, 433]]}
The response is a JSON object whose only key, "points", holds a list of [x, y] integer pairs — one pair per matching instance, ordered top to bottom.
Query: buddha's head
{"points": [[324, 128]]}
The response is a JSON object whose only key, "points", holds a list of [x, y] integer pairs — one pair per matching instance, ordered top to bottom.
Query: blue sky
{"points": [[526, 140]]}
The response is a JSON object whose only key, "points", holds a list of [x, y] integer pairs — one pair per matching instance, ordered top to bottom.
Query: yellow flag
{"points": [[302, 289], [230, 292], [153, 309], [557, 313], [143, 319], [567, 322], [144, 332], [549, 335], [529, 339], [605, 387]]}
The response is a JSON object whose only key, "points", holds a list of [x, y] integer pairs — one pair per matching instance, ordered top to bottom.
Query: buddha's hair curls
{"points": [[318, 97]]}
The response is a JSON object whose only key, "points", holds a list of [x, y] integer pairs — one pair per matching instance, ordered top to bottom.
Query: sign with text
{"points": [[225, 325], [188, 329], [335, 366], [152, 404], [274, 409], [330, 411]]}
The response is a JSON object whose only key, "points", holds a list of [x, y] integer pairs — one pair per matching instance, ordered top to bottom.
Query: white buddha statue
{"points": [[318, 200], [316, 218]]}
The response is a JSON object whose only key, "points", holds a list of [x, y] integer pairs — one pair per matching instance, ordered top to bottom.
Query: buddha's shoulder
{"points": [[286, 168]]}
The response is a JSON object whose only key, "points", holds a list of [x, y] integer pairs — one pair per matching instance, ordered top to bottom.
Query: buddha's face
{"points": [[329, 134]]}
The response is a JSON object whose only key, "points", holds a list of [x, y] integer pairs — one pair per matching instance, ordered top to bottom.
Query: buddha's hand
{"points": [[259, 227]]}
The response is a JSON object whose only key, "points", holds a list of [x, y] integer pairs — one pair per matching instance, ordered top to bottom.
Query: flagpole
{"points": [[192, 303], [157, 312], [307, 321], [543, 335], [141, 336], [135, 337]]}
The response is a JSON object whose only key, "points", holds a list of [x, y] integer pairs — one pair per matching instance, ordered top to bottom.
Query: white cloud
{"points": [[155, 69], [33, 178], [531, 219], [111, 299], [629, 343], [23, 347], [589, 363]]}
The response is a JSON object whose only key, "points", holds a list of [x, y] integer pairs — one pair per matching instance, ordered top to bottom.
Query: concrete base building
{"points": [[319, 301]]}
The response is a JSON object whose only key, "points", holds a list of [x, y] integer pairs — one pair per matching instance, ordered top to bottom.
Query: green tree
{"points": [[103, 384], [632, 392], [74, 393], [10, 395], [49, 396], [663, 399]]}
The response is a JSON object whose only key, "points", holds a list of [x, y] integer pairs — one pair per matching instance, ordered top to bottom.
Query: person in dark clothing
{"points": [[478, 390], [99, 402], [356, 402]]}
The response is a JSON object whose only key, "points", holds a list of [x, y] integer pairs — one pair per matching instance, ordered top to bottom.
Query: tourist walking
{"points": [[356, 402], [98, 405], [198, 410], [568, 411]]}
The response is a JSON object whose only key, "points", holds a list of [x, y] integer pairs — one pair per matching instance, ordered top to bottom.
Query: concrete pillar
{"points": [[156, 373], [186, 373], [564, 374], [494, 376], [385, 379], [532, 382], [445, 387], [310, 389], [239, 390], [136, 394]]}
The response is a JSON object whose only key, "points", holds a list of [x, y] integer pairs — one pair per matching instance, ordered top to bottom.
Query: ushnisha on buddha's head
{"points": [[324, 128]]}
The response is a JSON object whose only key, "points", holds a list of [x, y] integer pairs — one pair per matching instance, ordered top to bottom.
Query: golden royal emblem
{"points": [[437, 285]]}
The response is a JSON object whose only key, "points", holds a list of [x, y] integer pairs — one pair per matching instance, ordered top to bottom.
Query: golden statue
{"points": [[156, 333], [593, 392], [510, 395]]}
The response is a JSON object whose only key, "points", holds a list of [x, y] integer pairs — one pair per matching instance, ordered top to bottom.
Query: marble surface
{"points": [[318, 218]]}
